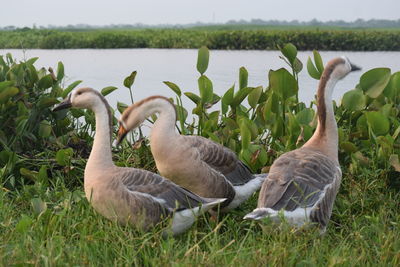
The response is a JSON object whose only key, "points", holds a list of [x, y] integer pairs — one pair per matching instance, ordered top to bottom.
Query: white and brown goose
{"points": [[193, 162], [302, 184], [130, 195]]}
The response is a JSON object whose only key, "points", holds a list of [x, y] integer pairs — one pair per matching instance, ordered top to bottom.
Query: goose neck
{"points": [[325, 137], [101, 156]]}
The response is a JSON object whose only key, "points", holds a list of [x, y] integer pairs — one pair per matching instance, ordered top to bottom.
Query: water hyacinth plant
{"points": [[272, 120]]}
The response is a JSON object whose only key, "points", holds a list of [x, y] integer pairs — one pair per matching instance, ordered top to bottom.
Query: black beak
{"points": [[354, 67], [64, 104], [122, 132]]}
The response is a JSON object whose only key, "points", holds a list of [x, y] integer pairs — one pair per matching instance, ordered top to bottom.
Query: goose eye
{"points": [[79, 93]]}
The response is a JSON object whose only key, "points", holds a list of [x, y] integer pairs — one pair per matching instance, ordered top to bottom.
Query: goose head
{"points": [[339, 67], [85, 98], [130, 119]]}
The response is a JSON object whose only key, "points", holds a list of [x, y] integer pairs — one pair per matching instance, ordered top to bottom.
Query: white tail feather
{"points": [[243, 192], [183, 219]]}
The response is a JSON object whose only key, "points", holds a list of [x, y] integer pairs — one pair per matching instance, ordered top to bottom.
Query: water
{"points": [[99, 68]]}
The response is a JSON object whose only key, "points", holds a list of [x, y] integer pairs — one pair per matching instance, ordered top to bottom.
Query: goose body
{"points": [[194, 162], [302, 184], [129, 195]]}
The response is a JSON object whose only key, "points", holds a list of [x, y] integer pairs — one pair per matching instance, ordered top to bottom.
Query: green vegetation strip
{"points": [[260, 39]]}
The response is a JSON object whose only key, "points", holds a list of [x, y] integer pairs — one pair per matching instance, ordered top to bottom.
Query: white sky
{"points": [[103, 12]]}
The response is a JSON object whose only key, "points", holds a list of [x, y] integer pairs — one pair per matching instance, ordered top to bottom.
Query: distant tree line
{"points": [[359, 23]]}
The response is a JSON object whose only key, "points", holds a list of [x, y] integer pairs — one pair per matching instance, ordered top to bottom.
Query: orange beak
{"points": [[121, 134]]}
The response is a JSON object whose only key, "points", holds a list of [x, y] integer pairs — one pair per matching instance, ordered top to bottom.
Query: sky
{"points": [[22, 13]]}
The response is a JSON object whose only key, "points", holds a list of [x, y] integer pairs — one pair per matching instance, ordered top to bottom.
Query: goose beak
{"points": [[354, 67], [64, 104], [121, 134]]}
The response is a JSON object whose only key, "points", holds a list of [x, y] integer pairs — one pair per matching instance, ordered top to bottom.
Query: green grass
{"points": [[364, 230]]}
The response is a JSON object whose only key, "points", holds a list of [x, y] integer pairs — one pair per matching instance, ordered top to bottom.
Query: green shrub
{"points": [[306, 39]]}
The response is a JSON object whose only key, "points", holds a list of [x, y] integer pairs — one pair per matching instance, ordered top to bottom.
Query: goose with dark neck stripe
{"points": [[194, 162], [303, 183], [129, 195]]}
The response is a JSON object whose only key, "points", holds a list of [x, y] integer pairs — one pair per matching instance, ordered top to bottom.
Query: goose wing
{"points": [[221, 159], [299, 178], [171, 195]]}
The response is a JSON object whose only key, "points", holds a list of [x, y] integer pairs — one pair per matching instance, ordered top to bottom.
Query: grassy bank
{"points": [[214, 38], [364, 231]]}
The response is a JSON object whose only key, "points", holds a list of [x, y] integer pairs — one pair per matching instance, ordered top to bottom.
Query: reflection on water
{"points": [[105, 67]]}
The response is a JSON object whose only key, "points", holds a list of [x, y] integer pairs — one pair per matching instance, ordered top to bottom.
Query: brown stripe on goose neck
{"points": [[136, 105], [321, 107], [110, 117]]}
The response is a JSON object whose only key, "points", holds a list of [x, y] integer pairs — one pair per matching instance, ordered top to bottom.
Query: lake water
{"points": [[99, 68]]}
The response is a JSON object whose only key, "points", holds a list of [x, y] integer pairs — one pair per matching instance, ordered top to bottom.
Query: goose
{"points": [[193, 162], [302, 184], [128, 195]]}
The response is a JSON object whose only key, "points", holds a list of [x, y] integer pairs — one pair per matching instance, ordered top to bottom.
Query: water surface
{"points": [[99, 68]]}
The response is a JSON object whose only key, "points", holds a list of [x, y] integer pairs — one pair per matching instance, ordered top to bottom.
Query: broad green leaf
{"points": [[290, 52], [202, 59], [31, 61], [318, 61], [297, 65], [312, 70], [60, 71], [33, 76], [243, 78], [128, 81], [374, 81], [45, 82], [283, 83], [5, 84], [173, 87], [70, 88], [393, 88], [206, 89], [108, 90], [8, 92], [240, 96], [254, 96], [195, 98], [227, 98], [215, 99], [354, 100], [47, 101], [121, 107], [271, 107], [386, 110], [77, 113], [182, 113], [305, 116], [378, 122], [362, 124], [250, 125], [277, 128], [44, 129], [348, 147], [64, 156], [245, 156], [38, 206]]}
